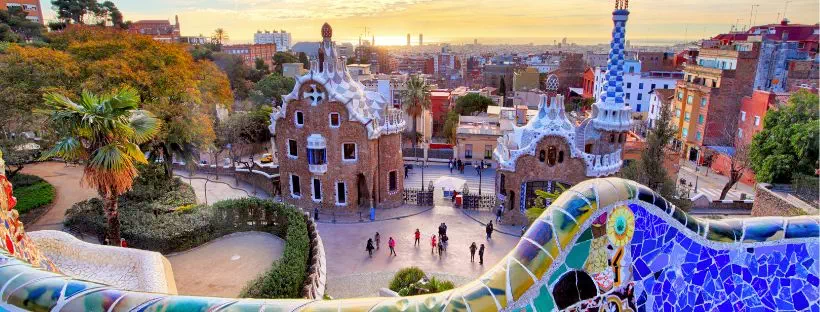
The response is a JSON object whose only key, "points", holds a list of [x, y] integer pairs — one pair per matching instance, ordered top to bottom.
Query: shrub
{"points": [[32, 192], [405, 277]]}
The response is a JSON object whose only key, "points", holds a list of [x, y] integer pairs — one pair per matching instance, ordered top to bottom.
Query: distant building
{"points": [[32, 8], [160, 30], [806, 36], [281, 39], [194, 40], [408, 40], [421, 40], [251, 52], [415, 65], [293, 70], [359, 72], [492, 74], [803, 74], [526, 79], [589, 83], [638, 84], [658, 99], [707, 99], [440, 103], [476, 138], [338, 145]]}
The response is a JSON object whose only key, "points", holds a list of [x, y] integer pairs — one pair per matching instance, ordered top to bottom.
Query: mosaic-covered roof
{"points": [[329, 80]]}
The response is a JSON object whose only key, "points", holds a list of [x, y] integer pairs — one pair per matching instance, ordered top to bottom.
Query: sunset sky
{"points": [[522, 21]]}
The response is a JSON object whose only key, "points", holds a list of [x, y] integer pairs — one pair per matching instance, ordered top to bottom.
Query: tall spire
{"points": [[610, 111]]}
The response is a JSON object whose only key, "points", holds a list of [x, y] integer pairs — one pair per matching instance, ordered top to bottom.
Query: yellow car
{"points": [[266, 158]]}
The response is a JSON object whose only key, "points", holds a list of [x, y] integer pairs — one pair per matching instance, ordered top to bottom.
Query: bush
{"points": [[31, 192], [405, 277], [413, 281]]}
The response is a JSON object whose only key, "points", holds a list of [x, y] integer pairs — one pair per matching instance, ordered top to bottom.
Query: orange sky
{"points": [[539, 21]]}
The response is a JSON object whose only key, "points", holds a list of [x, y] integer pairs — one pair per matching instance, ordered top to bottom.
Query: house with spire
{"points": [[338, 145], [551, 152]]}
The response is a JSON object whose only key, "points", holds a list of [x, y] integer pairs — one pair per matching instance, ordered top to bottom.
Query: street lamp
{"points": [[480, 169]]}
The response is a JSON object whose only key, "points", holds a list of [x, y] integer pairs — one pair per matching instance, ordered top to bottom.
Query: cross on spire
{"points": [[621, 4], [315, 95]]}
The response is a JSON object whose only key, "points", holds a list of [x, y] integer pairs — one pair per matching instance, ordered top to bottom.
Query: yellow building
{"points": [[526, 79]]}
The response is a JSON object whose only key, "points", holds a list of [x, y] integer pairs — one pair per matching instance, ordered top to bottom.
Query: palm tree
{"points": [[220, 35], [416, 100], [103, 132]]}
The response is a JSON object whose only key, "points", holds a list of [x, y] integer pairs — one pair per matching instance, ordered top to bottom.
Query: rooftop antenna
{"points": [[785, 8], [751, 14]]}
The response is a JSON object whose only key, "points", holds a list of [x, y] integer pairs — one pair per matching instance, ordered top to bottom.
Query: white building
{"points": [[280, 38], [638, 85]]}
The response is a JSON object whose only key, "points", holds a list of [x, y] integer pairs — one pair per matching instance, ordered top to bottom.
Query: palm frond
{"points": [[126, 98], [145, 126], [69, 148], [134, 152], [111, 157]]}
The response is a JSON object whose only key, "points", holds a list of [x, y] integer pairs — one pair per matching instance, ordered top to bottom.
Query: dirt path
{"points": [[69, 190], [222, 267]]}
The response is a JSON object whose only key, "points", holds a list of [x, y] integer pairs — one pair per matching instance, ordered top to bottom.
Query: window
{"points": [[629, 85], [640, 86], [653, 86], [666, 86], [628, 95], [680, 95], [640, 96], [690, 99], [703, 102], [638, 108], [677, 112], [687, 116], [742, 116], [299, 118], [700, 119], [334, 120], [757, 120], [685, 132], [739, 133], [697, 136], [612, 138], [621, 138], [588, 148], [293, 151], [349, 151], [468, 151], [488, 152], [317, 156], [542, 156], [552, 156], [560, 157], [393, 179], [503, 181], [295, 187], [317, 189], [341, 193]]}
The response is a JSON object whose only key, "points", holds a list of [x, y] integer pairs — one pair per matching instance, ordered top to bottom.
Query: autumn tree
{"points": [[15, 27]]}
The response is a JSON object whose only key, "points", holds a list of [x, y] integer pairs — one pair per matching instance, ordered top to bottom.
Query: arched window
{"points": [[612, 138], [622, 138], [588, 148], [542, 156], [552, 156], [560, 157]]}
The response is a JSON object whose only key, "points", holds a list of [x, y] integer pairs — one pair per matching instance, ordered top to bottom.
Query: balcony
{"points": [[317, 154]]}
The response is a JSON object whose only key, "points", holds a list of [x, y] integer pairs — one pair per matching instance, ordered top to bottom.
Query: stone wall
{"points": [[768, 203], [316, 281]]}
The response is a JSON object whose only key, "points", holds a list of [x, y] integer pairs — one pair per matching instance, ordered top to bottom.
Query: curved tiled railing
{"points": [[603, 243]]}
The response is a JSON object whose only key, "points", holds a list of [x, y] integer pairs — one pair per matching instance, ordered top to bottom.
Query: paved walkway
{"points": [[712, 184], [225, 187], [69, 190], [344, 246], [222, 267]]}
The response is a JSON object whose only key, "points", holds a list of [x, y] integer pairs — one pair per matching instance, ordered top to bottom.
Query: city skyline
{"points": [[455, 21]]}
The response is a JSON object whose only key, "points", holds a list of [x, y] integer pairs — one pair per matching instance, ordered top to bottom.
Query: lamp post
{"points": [[480, 168]]}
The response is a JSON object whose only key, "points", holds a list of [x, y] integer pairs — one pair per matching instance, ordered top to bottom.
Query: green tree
{"points": [[77, 11], [14, 27], [220, 36], [280, 58], [303, 58], [238, 73], [270, 89], [502, 90], [416, 100], [472, 103], [451, 127], [103, 132], [788, 144], [649, 170]]}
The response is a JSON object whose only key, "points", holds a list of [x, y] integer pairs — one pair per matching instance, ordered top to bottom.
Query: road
{"points": [[68, 188]]}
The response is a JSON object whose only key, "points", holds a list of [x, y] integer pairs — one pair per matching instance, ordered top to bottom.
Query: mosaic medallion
{"points": [[621, 226]]}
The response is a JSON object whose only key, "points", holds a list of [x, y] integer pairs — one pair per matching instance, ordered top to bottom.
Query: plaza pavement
{"points": [[434, 171], [711, 183]]}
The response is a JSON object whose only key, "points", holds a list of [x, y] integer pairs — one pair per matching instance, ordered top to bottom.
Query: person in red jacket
{"points": [[418, 238], [123, 243], [392, 244]]}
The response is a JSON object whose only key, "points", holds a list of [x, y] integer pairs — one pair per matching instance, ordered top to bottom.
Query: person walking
{"points": [[450, 164], [458, 166], [315, 213], [498, 214], [489, 230], [441, 231], [418, 238], [378, 240], [444, 242], [123, 243], [392, 244], [433, 244], [369, 247], [441, 248], [472, 252], [481, 255]]}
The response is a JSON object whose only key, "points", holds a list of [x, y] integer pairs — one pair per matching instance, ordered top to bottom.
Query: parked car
{"points": [[266, 158]]}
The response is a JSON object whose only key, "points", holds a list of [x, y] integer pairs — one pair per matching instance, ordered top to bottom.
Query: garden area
{"points": [[33, 196], [161, 214], [413, 281]]}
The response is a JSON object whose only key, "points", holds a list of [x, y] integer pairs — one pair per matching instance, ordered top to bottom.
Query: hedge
{"points": [[31, 192], [169, 224], [413, 281]]}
